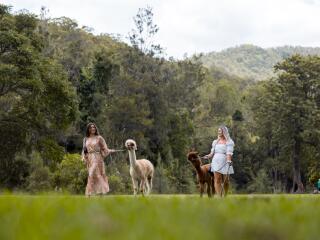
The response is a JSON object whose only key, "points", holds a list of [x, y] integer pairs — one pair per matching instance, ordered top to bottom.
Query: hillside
{"points": [[249, 61]]}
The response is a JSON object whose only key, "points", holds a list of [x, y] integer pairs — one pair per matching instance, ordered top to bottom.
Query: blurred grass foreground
{"points": [[160, 217]]}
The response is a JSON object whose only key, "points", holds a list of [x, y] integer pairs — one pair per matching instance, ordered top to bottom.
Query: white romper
{"points": [[219, 160]]}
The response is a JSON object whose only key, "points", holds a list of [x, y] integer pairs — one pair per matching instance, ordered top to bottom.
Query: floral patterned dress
{"points": [[97, 179]]}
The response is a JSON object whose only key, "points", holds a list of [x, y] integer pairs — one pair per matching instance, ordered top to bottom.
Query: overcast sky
{"points": [[194, 26]]}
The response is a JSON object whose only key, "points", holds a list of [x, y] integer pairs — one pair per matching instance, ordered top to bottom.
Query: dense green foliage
{"points": [[55, 77], [37, 100], [287, 113], [160, 217]]}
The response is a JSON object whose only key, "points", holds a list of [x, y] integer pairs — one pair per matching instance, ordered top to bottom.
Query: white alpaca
{"points": [[141, 171]]}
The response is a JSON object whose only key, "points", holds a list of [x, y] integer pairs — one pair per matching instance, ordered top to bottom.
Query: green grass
{"points": [[160, 217]]}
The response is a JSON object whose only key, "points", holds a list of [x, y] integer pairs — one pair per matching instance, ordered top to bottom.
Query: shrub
{"points": [[71, 174], [40, 176], [261, 183]]}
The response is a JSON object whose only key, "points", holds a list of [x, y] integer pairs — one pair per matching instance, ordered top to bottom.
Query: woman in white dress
{"points": [[221, 165]]}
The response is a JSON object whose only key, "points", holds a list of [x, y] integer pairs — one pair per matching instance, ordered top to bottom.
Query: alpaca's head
{"points": [[131, 144], [194, 158]]}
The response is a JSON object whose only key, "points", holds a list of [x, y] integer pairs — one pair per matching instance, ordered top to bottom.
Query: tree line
{"points": [[56, 76]]}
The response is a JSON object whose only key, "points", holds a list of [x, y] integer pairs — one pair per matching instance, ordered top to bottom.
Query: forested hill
{"points": [[249, 61], [56, 77]]}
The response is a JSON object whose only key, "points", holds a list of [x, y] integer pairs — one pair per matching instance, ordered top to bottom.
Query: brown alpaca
{"points": [[141, 171], [203, 174]]}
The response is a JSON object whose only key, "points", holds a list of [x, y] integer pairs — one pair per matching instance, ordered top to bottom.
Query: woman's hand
{"points": [[85, 159], [229, 159]]}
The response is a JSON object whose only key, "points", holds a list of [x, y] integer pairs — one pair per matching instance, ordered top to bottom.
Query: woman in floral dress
{"points": [[94, 151]]}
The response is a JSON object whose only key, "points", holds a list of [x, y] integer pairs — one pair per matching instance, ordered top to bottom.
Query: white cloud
{"points": [[189, 26]]}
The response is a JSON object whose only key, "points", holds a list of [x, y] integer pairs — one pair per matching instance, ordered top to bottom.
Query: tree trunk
{"points": [[297, 186]]}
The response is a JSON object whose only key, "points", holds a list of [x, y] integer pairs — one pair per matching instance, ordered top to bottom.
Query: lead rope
{"points": [[118, 150]]}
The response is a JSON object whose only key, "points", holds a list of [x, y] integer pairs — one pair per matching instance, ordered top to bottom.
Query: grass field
{"points": [[160, 217]]}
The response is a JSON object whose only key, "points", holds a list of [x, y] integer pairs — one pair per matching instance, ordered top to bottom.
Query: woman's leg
{"points": [[103, 179], [90, 181], [217, 183], [226, 184], [89, 187]]}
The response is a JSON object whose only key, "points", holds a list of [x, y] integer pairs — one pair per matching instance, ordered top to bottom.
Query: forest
{"points": [[57, 76]]}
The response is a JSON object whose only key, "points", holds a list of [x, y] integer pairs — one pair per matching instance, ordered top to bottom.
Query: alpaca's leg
{"points": [[142, 183], [150, 183], [217, 183], [226, 184], [135, 186], [212, 186], [147, 187], [201, 189], [209, 189], [147, 190]]}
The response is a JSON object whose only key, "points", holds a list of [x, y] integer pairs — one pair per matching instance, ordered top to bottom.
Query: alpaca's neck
{"points": [[132, 157], [197, 167]]}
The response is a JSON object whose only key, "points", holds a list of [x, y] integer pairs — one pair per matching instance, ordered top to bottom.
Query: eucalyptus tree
{"points": [[36, 99], [289, 114]]}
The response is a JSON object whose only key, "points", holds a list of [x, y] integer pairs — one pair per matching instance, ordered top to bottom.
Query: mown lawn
{"points": [[160, 217]]}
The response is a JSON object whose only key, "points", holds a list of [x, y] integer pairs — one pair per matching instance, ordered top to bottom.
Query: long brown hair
{"points": [[88, 129]]}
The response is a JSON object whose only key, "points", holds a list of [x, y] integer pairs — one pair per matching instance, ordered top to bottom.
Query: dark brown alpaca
{"points": [[203, 175]]}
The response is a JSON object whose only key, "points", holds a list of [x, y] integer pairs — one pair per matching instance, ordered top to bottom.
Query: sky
{"points": [[187, 27]]}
